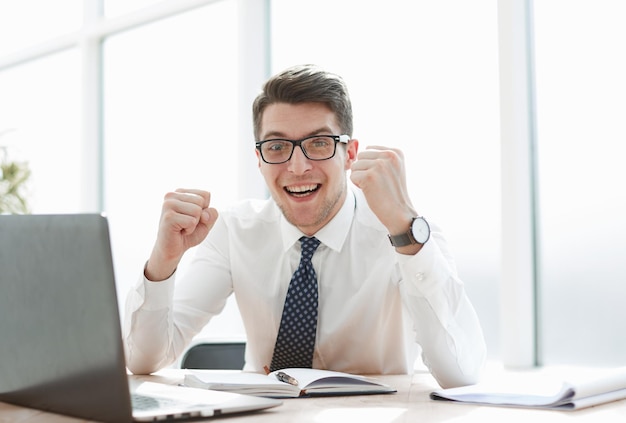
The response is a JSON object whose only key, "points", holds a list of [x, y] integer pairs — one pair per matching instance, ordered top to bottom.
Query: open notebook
{"points": [[60, 338], [287, 383]]}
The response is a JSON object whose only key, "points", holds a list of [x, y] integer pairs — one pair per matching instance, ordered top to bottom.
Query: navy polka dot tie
{"points": [[296, 336]]}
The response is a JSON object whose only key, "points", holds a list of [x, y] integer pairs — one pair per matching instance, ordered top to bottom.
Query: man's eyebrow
{"points": [[274, 134], [277, 134]]}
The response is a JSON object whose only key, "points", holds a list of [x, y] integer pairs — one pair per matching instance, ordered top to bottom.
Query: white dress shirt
{"points": [[376, 307]]}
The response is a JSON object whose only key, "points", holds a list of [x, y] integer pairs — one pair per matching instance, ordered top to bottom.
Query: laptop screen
{"points": [[60, 335]]}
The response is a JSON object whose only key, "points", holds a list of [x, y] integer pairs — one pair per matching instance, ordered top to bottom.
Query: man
{"points": [[386, 281]]}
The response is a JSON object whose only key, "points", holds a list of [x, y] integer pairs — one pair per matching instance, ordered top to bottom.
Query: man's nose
{"points": [[299, 163]]}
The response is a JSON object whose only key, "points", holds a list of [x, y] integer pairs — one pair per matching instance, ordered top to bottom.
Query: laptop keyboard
{"points": [[147, 403]]}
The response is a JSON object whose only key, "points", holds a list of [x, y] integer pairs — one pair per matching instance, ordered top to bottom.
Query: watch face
{"points": [[421, 230]]}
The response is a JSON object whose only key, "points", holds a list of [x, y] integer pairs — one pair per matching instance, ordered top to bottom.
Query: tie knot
{"points": [[309, 245]]}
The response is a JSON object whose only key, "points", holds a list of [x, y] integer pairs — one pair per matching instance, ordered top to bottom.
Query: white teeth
{"points": [[302, 188]]}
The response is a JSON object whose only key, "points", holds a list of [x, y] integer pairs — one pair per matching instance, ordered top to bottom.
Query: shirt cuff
{"points": [[426, 271], [158, 295]]}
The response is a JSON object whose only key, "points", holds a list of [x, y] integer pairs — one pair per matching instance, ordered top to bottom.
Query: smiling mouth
{"points": [[302, 190]]}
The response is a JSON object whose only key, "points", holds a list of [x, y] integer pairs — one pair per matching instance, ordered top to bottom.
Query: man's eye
{"points": [[319, 142], [276, 146]]}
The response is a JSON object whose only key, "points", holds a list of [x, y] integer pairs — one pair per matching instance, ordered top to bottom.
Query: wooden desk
{"points": [[410, 404]]}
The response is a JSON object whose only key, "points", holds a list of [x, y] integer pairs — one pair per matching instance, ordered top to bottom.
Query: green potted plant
{"points": [[14, 176]]}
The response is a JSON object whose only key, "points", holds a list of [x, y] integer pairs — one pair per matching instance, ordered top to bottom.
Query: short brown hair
{"points": [[305, 84]]}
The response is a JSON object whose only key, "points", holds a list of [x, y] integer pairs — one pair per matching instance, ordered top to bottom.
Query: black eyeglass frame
{"points": [[298, 143]]}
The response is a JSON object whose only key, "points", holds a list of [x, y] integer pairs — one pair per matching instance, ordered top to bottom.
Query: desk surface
{"points": [[410, 404]]}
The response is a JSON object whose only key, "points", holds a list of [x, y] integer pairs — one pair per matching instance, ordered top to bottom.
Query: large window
{"points": [[580, 68], [152, 95]]}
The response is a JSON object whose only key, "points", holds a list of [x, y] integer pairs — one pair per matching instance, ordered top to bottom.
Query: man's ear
{"points": [[352, 149], [258, 157]]}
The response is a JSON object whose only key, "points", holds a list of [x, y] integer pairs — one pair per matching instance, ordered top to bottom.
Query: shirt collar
{"points": [[333, 235]]}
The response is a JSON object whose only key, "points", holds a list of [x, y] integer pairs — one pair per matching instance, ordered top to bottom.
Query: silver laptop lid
{"points": [[61, 344]]}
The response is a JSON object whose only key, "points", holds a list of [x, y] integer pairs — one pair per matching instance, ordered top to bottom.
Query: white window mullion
{"points": [[91, 53], [254, 69], [518, 316]]}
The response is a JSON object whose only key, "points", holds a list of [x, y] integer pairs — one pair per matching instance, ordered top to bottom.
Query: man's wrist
{"points": [[418, 232], [157, 275]]}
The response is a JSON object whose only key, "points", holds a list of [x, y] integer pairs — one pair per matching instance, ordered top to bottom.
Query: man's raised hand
{"points": [[186, 220]]}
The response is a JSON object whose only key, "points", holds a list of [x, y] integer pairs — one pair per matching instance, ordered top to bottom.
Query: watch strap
{"points": [[402, 240]]}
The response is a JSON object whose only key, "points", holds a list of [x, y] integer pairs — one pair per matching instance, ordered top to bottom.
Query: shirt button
{"points": [[419, 276]]}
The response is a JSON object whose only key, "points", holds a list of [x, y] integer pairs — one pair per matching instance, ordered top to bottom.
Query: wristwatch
{"points": [[418, 233]]}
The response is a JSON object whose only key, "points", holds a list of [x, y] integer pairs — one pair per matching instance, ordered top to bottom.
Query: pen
{"points": [[284, 377]]}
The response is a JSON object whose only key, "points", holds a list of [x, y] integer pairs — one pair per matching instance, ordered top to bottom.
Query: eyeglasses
{"points": [[315, 147]]}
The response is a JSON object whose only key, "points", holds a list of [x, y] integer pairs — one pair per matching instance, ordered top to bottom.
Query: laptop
{"points": [[60, 337]]}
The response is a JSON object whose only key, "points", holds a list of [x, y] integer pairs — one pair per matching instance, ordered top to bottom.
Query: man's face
{"points": [[309, 192]]}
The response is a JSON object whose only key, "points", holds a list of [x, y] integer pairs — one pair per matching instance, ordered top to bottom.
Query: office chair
{"points": [[214, 355]]}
